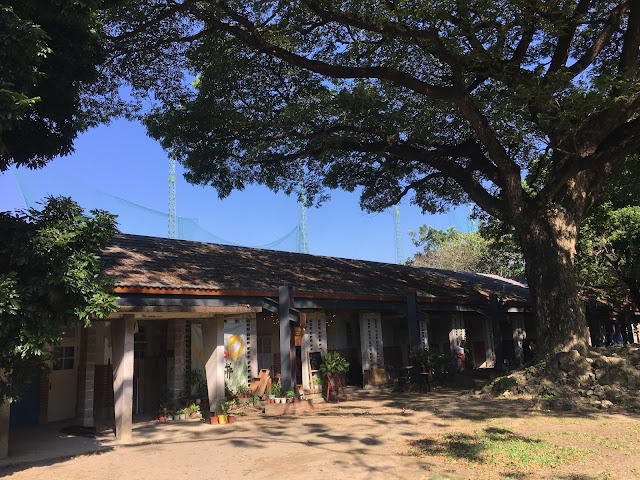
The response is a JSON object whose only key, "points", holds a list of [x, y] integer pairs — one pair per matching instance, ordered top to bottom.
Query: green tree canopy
{"points": [[49, 53], [444, 102], [467, 252], [49, 280]]}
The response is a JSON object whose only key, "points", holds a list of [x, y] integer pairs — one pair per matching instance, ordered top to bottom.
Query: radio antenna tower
{"points": [[172, 196], [303, 248], [399, 251]]}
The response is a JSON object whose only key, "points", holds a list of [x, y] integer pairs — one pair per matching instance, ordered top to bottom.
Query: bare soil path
{"points": [[376, 434]]}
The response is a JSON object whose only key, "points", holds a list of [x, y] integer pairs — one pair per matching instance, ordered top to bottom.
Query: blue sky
{"points": [[121, 160]]}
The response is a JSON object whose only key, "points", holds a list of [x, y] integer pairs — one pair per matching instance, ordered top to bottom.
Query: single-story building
{"points": [[225, 311]]}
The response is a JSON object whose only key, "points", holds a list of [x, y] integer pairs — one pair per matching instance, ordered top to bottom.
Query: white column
{"points": [[422, 327], [457, 332], [519, 335], [314, 339], [489, 342], [213, 343], [122, 345], [371, 345], [252, 349]]}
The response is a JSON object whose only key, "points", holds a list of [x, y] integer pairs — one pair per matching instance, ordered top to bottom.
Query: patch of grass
{"points": [[503, 384], [615, 443], [497, 447]]}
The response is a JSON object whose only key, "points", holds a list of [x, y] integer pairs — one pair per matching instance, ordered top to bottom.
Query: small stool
{"points": [[335, 384]]}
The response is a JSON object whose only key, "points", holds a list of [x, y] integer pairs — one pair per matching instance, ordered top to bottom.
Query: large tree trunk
{"points": [[549, 249]]}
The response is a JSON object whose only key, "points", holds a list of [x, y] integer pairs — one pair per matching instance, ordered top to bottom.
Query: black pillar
{"points": [[495, 318], [412, 319], [285, 338]]}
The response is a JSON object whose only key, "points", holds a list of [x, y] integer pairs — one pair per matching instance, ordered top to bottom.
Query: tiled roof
{"points": [[139, 261]]}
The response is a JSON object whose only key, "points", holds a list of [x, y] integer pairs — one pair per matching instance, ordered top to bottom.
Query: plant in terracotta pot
{"points": [[275, 391], [289, 396]]}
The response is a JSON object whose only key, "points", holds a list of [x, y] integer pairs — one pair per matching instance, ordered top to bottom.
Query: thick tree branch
{"points": [[392, 29], [248, 34], [602, 40], [631, 45], [563, 46]]}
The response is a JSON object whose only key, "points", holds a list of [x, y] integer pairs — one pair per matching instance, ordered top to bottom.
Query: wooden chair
{"points": [[335, 384]]}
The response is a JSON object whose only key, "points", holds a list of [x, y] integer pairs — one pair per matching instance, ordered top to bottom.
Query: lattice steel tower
{"points": [[172, 196], [303, 248], [399, 251]]}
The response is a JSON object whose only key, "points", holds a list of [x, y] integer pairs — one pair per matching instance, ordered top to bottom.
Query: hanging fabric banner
{"points": [[235, 354]]}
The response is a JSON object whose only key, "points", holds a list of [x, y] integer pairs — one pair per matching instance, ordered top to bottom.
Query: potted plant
{"points": [[333, 364], [316, 384], [242, 391], [275, 391], [289, 396], [223, 409], [193, 410]]}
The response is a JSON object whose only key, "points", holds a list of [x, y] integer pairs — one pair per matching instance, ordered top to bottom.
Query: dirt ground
{"points": [[373, 435]]}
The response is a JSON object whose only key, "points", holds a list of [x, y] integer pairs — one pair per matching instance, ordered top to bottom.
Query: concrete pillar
{"points": [[495, 320], [457, 332], [424, 334], [519, 336], [285, 339], [314, 339], [371, 344], [213, 345], [122, 346], [490, 346], [252, 349], [177, 365], [86, 376], [5, 410]]}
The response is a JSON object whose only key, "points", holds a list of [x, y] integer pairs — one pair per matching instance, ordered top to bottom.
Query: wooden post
{"points": [[412, 319]]}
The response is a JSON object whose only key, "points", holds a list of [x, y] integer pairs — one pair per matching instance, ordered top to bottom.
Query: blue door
{"points": [[25, 412]]}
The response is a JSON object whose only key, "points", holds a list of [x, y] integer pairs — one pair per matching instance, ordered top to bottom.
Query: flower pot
{"points": [[295, 400], [183, 416], [169, 418], [231, 418], [222, 419], [214, 420]]}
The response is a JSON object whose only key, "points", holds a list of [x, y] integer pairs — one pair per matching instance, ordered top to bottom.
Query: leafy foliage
{"points": [[49, 53], [442, 102], [467, 252], [49, 280], [333, 364]]}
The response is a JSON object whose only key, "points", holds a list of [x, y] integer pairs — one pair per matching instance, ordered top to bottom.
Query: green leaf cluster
{"points": [[50, 51], [467, 252], [50, 280], [333, 363]]}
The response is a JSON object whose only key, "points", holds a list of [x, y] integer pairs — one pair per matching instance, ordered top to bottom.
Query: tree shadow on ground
{"points": [[463, 446]]}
